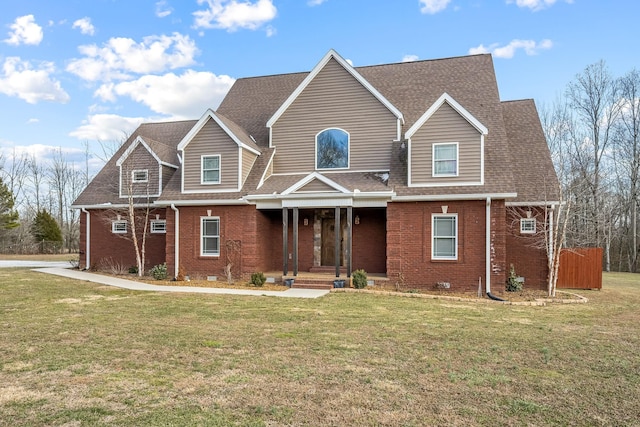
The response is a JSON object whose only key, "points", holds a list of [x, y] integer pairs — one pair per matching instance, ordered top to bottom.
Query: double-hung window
{"points": [[445, 159], [210, 169], [444, 233], [210, 236]]}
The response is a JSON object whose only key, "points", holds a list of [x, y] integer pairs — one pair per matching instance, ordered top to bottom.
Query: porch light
{"points": [[357, 219]]}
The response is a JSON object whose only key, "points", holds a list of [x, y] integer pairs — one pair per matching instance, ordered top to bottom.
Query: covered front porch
{"points": [[325, 243]]}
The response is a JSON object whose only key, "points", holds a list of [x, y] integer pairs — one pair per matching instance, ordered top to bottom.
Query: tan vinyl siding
{"points": [[334, 99], [446, 125], [210, 141], [140, 159], [248, 159], [167, 173], [316, 185]]}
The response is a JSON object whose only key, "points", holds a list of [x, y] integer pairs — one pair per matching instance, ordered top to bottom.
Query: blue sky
{"points": [[74, 71]]}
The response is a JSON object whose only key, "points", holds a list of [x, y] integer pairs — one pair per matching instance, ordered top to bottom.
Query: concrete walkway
{"points": [[138, 286]]}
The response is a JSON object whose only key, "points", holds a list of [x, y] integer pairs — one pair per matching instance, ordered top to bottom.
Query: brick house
{"points": [[415, 172]]}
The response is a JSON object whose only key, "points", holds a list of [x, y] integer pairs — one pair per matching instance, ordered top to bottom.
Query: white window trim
{"points": [[348, 150], [433, 160], [135, 171], [202, 181], [202, 219], [155, 222], [523, 227], [116, 230], [433, 246]]}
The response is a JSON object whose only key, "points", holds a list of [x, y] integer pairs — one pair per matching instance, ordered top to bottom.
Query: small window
{"points": [[332, 149], [445, 159], [210, 169], [140, 175], [527, 225], [159, 226], [119, 227], [444, 232], [210, 236]]}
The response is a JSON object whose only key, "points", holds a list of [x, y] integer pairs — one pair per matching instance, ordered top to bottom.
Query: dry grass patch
{"points": [[147, 359]]}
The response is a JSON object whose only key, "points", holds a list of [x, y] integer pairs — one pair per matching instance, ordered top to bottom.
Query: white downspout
{"points": [[551, 234], [88, 240], [176, 240], [488, 246]]}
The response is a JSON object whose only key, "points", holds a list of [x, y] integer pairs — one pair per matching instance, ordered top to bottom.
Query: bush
{"points": [[133, 270], [159, 272], [258, 279], [359, 279], [513, 284]]}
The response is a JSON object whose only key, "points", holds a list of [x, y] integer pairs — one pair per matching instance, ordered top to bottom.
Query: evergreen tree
{"points": [[8, 216], [46, 229]]}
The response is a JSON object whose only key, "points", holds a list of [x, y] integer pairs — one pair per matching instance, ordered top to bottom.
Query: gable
{"points": [[332, 56], [446, 126], [139, 160], [316, 186]]}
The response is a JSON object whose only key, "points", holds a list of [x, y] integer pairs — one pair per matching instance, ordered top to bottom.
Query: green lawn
{"points": [[75, 354]]}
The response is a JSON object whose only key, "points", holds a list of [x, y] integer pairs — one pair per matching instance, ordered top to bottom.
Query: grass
{"points": [[74, 353]]}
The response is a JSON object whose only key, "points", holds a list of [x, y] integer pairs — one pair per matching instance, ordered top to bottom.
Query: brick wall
{"points": [[238, 224], [370, 240], [104, 244], [409, 245], [526, 251]]}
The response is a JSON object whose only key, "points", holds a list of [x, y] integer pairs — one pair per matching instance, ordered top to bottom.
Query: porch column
{"points": [[349, 239], [285, 241], [295, 241], [338, 245]]}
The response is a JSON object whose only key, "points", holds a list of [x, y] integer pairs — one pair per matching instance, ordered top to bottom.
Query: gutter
{"points": [[88, 240], [176, 241]]}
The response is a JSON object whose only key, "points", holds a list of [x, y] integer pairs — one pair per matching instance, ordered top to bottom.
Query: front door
{"points": [[328, 251]]}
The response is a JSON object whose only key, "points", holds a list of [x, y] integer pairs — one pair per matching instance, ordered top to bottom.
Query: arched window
{"points": [[332, 149]]}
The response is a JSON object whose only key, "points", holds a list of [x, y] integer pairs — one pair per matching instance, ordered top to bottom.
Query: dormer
{"points": [[446, 147], [217, 155], [143, 169]]}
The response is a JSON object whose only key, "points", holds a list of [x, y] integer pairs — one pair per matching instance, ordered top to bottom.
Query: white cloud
{"points": [[315, 2], [535, 5], [432, 7], [163, 9], [232, 15], [85, 26], [24, 31], [530, 47], [120, 57], [410, 58], [21, 80], [184, 96], [33, 120], [106, 127]]}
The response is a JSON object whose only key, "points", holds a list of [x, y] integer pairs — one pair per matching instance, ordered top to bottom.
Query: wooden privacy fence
{"points": [[580, 268]]}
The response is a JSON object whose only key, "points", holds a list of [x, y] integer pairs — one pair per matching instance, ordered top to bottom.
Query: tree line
{"points": [[593, 131]]}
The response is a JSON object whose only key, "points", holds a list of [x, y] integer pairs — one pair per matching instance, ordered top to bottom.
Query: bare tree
{"points": [[594, 99]]}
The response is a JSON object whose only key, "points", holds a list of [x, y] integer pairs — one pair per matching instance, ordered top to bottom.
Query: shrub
{"points": [[112, 266], [133, 269], [159, 272], [258, 279], [359, 279], [513, 284]]}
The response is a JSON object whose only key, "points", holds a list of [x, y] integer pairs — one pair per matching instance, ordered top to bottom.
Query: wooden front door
{"points": [[328, 251]]}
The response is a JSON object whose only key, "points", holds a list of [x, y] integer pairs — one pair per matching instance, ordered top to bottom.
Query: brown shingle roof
{"points": [[162, 137], [530, 156]]}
